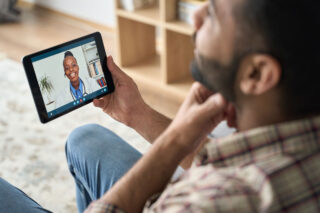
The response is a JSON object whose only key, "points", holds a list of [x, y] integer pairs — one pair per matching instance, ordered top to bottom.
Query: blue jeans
{"points": [[96, 157], [14, 200]]}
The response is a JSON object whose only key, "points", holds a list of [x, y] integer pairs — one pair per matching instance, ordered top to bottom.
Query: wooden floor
{"points": [[40, 28]]}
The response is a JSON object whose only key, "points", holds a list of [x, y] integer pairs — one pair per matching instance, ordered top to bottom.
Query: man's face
{"points": [[216, 59], [71, 68]]}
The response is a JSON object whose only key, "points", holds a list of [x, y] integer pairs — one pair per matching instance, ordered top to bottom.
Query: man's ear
{"points": [[260, 74]]}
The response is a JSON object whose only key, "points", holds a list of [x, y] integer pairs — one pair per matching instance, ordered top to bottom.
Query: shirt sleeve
{"points": [[202, 191]]}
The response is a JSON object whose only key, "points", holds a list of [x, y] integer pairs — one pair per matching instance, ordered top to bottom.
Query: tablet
{"points": [[68, 76]]}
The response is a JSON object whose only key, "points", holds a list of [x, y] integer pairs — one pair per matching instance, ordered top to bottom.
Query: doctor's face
{"points": [[71, 68]]}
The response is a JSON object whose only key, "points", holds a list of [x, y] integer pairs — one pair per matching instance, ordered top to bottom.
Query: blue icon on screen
{"points": [[105, 89], [84, 99], [77, 102], [74, 103]]}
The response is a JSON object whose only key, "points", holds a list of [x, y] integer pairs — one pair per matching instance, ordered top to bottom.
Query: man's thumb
{"points": [[114, 69]]}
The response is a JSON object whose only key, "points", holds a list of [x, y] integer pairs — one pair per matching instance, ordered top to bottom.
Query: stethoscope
{"points": [[84, 89]]}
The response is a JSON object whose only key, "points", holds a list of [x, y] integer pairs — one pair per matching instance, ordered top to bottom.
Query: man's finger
{"points": [[114, 69], [199, 92], [205, 93], [98, 102], [214, 105]]}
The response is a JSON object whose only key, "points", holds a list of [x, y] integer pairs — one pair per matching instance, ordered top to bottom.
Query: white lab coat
{"points": [[65, 96]]}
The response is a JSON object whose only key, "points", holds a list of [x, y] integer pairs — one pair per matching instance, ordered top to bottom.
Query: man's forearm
{"points": [[149, 123], [149, 176]]}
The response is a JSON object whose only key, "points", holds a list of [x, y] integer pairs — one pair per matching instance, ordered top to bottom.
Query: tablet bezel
{"points": [[34, 85]]}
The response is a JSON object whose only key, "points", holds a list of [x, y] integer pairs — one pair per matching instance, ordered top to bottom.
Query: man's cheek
{"points": [[201, 41]]}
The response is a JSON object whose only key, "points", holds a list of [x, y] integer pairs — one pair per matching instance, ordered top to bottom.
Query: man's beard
{"points": [[216, 76]]}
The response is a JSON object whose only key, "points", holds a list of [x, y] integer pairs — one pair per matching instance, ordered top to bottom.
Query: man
{"points": [[262, 58], [78, 87]]}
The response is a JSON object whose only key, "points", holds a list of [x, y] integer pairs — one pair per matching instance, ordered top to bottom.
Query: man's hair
{"points": [[288, 30], [68, 53]]}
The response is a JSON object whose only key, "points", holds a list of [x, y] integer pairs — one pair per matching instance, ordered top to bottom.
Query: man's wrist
{"points": [[141, 112], [148, 122], [172, 140]]}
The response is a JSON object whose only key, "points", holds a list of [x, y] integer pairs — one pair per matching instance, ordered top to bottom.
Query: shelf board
{"points": [[148, 15], [180, 27], [146, 71]]}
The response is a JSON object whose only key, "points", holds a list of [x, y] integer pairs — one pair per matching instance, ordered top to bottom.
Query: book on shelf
{"points": [[132, 5], [186, 9], [95, 68], [102, 82]]}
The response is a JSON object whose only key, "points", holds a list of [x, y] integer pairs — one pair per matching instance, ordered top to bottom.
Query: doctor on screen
{"points": [[78, 87]]}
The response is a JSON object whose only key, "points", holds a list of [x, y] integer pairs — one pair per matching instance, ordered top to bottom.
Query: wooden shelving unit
{"points": [[163, 69]]}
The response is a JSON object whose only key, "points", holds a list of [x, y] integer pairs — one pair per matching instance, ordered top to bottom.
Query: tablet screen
{"points": [[69, 76]]}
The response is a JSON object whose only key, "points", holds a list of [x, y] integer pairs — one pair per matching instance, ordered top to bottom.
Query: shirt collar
{"points": [[74, 90], [296, 137]]}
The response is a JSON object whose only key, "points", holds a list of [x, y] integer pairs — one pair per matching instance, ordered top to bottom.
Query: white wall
{"points": [[98, 11]]}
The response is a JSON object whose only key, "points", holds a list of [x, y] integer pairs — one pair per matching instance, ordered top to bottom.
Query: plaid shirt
{"points": [[268, 169]]}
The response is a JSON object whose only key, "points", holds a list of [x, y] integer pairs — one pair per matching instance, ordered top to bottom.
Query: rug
{"points": [[32, 154]]}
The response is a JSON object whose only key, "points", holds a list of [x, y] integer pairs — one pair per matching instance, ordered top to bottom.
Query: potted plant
{"points": [[46, 87]]}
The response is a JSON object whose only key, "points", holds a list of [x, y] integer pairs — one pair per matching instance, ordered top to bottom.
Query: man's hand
{"points": [[125, 100], [127, 106], [199, 114]]}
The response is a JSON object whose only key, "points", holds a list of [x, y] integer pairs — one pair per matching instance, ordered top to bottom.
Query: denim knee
{"points": [[75, 138], [88, 139], [93, 140]]}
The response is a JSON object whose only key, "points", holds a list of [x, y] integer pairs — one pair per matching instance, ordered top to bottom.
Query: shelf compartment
{"points": [[168, 10], [148, 15], [170, 18], [136, 41], [179, 49], [147, 70], [147, 74]]}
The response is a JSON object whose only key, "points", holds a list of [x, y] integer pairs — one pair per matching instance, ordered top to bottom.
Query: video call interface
{"points": [[69, 76]]}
